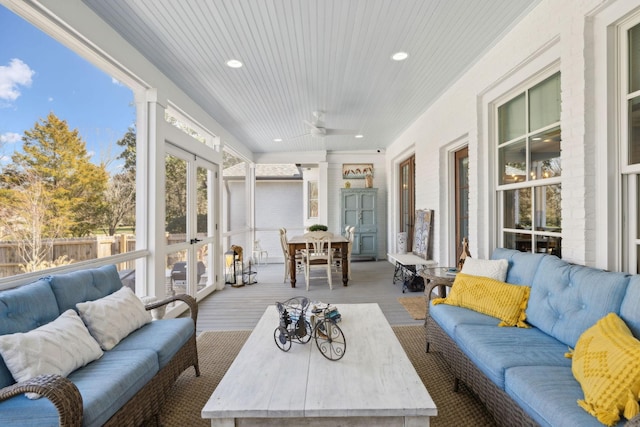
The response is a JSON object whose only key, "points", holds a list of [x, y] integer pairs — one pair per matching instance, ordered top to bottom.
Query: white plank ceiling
{"points": [[302, 56]]}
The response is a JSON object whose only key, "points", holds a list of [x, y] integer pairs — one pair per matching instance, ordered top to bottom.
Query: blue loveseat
{"points": [[522, 375], [127, 385]]}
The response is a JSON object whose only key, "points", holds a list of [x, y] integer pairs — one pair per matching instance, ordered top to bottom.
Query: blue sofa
{"points": [[522, 375], [126, 386]]}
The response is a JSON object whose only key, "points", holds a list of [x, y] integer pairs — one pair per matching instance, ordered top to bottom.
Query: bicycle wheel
{"points": [[303, 331], [281, 337], [330, 339]]}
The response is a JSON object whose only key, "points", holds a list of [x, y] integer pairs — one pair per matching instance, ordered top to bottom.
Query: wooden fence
{"points": [[75, 249]]}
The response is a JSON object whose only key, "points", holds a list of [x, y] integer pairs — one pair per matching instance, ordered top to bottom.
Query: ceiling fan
{"points": [[317, 128]]}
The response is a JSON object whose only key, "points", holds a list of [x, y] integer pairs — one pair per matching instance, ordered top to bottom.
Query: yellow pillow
{"points": [[498, 299], [606, 363]]}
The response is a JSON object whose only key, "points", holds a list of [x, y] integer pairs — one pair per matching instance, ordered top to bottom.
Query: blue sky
{"points": [[39, 75]]}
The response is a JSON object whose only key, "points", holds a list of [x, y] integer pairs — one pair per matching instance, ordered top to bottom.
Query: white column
{"points": [[323, 193]]}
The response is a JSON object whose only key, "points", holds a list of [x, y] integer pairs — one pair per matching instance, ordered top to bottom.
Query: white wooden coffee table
{"points": [[374, 384]]}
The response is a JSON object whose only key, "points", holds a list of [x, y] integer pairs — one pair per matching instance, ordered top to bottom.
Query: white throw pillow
{"points": [[493, 268], [112, 318], [59, 347]]}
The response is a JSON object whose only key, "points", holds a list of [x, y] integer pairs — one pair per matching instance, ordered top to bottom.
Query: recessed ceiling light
{"points": [[400, 56], [234, 63], [359, 136], [277, 140]]}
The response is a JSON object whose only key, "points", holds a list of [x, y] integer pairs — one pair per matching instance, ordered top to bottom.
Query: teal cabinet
{"points": [[358, 209]]}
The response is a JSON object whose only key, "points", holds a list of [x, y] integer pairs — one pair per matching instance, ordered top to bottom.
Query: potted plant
{"points": [[318, 227]]}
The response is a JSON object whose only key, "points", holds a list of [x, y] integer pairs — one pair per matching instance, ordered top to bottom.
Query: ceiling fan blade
{"points": [[312, 126], [341, 132], [298, 136]]}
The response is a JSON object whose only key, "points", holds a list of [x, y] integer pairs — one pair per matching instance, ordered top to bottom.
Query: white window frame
{"points": [[630, 173], [310, 184], [532, 184]]}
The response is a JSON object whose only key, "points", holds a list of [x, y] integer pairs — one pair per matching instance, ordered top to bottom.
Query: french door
{"points": [[461, 192], [407, 199], [189, 221]]}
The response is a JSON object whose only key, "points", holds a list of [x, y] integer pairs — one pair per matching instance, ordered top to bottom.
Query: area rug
{"points": [[416, 306], [216, 351]]}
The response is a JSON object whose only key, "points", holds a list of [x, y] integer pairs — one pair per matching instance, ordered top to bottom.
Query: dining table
{"points": [[297, 243]]}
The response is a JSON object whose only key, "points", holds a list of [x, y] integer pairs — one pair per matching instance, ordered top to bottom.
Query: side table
{"points": [[441, 276]]}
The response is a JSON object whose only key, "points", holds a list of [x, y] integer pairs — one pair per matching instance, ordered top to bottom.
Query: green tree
{"points": [[128, 142], [74, 186], [175, 190], [120, 194], [119, 198], [26, 220]]}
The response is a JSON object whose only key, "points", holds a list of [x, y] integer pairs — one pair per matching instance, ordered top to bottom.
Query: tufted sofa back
{"points": [[522, 265], [84, 285], [567, 299], [23, 309]]}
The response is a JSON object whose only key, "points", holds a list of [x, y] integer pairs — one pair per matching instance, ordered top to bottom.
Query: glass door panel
{"points": [[461, 198], [175, 199], [407, 199], [190, 228], [203, 243]]}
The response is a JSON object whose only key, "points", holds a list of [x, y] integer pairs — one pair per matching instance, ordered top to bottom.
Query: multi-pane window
{"points": [[633, 96], [630, 140], [529, 169], [313, 199]]}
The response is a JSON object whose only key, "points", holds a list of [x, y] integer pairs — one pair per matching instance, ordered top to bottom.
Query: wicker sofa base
{"points": [[147, 403], [504, 410]]}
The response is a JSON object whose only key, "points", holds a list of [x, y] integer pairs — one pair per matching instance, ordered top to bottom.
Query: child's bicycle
{"points": [[295, 326]]}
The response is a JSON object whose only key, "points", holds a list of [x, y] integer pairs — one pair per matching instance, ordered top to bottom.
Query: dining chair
{"points": [[350, 235], [285, 252], [317, 253], [337, 253], [259, 255], [337, 261]]}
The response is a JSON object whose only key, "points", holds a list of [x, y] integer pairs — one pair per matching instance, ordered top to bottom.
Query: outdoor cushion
{"points": [[522, 266], [493, 268], [84, 285], [498, 299], [568, 299], [23, 309], [450, 316], [111, 318], [165, 337], [59, 347], [493, 349], [605, 363], [121, 375], [549, 394], [22, 412]]}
